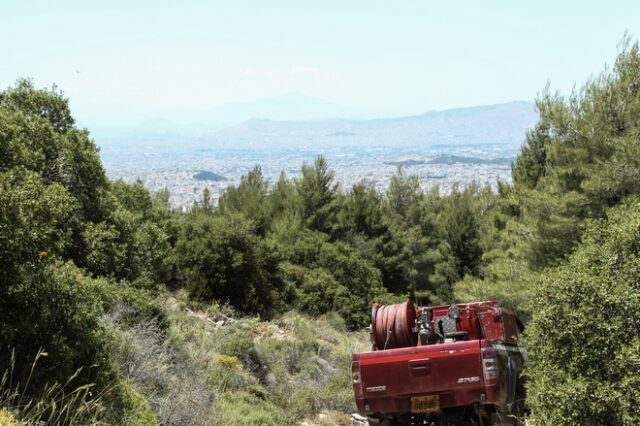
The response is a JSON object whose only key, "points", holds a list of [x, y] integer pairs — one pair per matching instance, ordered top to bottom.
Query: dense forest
{"points": [[88, 265]]}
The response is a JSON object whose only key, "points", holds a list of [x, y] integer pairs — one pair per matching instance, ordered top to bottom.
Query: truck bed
{"points": [[421, 378]]}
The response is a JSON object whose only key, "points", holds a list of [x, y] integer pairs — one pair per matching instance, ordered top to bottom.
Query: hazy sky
{"points": [[124, 61]]}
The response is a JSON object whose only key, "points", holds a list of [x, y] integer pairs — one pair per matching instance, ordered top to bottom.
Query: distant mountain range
{"points": [[199, 122], [503, 125]]}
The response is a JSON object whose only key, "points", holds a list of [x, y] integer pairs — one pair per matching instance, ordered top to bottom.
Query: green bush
{"points": [[37, 133], [34, 220], [123, 246], [222, 258], [328, 276], [137, 304], [55, 310], [336, 321], [583, 337], [234, 341], [224, 377], [259, 391], [130, 408]]}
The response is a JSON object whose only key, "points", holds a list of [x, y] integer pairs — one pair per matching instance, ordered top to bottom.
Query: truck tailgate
{"points": [[390, 378]]}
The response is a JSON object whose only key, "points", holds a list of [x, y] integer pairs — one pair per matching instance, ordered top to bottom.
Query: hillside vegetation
{"points": [[114, 309]]}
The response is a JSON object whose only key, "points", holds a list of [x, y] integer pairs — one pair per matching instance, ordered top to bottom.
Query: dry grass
{"points": [[207, 365], [289, 368], [162, 374], [57, 404]]}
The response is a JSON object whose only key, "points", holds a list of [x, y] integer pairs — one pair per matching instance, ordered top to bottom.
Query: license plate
{"points": [[425, 404]]}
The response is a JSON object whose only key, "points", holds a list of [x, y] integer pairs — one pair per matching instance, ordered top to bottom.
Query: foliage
{"points": [[49, 105], [37, 133], [581, 158], [317, 193], [404, 193], [247, 199], [54, 201], [283, 203], [361, 213], [35, 220], [133, 240], [110, 246], [125, 247], [222, 258], [328, 276], [54, 309], [583, 335], [233, 342], [131, 408]]}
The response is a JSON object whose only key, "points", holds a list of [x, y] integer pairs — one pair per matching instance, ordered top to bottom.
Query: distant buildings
{"points": [[187, 173]]}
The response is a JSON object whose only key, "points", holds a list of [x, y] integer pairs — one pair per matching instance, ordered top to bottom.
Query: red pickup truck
{"points": [[457, 364]]}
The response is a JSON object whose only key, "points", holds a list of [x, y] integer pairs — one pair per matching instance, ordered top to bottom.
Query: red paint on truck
{"points": [[465, 362]]}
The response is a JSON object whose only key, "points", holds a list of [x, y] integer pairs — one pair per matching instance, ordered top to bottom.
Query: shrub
{"points": [[37, 133], [34, 220], [123, 246], [222, 258], [329, 277], [132, 304], [55, 310], [336, 321], [583, 335], [234, 341], [230, 362], [163, 374], [227, 378], [259, 391], [130, 408]]}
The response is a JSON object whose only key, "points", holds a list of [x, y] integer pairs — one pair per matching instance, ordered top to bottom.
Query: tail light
{"points": [[489, 367], [356, 379]]}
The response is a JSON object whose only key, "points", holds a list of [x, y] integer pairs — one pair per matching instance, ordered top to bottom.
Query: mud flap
{"points": [[512, 378]]}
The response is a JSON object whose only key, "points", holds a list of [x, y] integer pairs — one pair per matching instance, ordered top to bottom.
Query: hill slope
{"points": [[503, 124]]}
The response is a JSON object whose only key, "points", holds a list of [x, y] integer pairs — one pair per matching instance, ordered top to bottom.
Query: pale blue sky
{"points": [[126, 61]]}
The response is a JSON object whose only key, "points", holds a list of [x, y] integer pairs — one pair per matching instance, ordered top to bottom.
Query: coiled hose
{"points": [[391, 325]]}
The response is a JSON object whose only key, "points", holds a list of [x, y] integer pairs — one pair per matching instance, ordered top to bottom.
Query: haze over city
{"points": [[171, 90]]}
